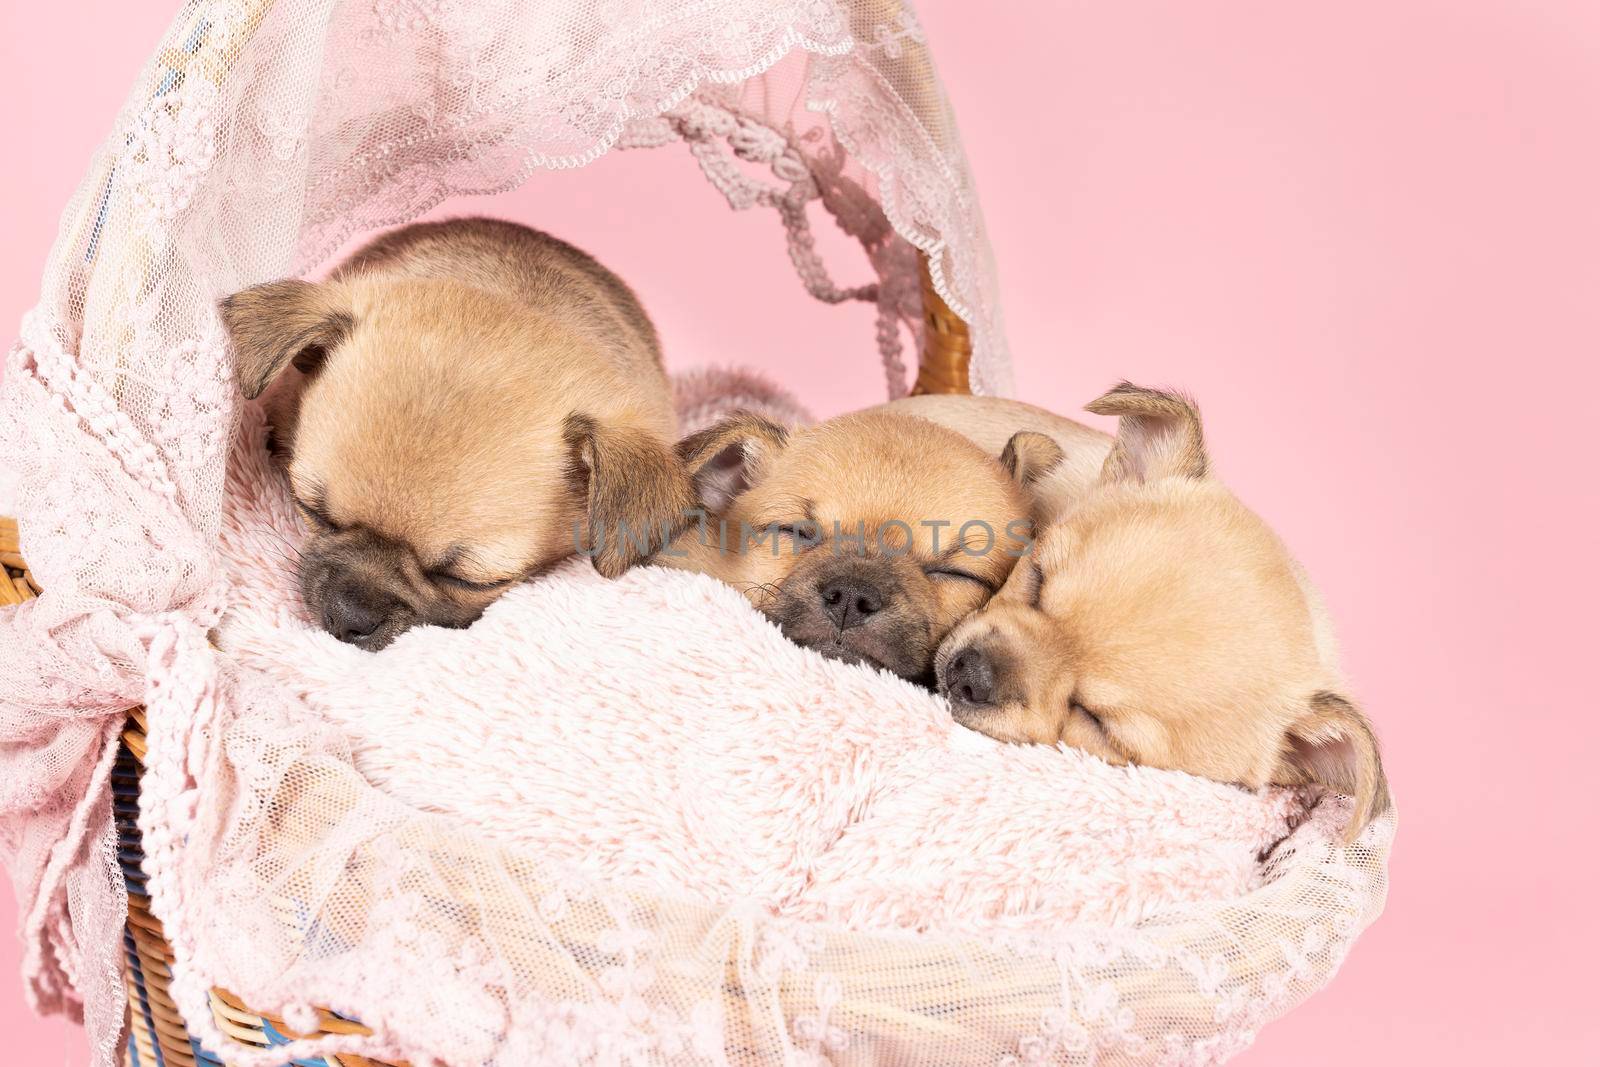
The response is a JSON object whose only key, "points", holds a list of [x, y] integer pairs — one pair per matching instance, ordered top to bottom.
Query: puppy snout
{"points": [[850, 600], [358, 617], [969, 678]]}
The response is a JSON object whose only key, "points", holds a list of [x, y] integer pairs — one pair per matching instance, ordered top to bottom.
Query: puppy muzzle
{"points": [[352, 586], [853, 611], [365, 618], [975, 676], [968, 679]]}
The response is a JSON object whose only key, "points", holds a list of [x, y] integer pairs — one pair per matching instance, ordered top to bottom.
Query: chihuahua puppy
{"points": [[460, 405], [866, 537], [1156, 619]]}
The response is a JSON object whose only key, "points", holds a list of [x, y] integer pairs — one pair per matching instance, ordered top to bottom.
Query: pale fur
{"points": [[478, 399], [990, 423], [467, 449], [860, 472], [1168, 609], [656, 730]]}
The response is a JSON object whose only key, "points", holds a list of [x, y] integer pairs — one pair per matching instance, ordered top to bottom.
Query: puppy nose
{"points": [[850, 601], [355, 616], [969, 677]]}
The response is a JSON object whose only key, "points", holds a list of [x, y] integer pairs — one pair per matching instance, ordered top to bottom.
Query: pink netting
{"points": [[259, 136]]}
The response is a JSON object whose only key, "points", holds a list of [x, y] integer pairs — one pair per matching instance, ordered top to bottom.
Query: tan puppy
{"points": [[468, 401], [990, 422], [865, 538], [1157, 620]]}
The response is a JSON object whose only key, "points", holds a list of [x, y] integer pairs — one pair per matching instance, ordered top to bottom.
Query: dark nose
{"points": [[850, 601], [355, 615], [969, 677]]}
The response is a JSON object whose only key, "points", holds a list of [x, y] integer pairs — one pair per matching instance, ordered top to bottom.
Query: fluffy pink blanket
{"points": [[658, 729]]}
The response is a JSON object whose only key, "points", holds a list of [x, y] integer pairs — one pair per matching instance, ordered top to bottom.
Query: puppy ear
{"points": [[278, 322], [1158, 436], [1029, 456], [726, 459], [636, 490], [1332, 744]]}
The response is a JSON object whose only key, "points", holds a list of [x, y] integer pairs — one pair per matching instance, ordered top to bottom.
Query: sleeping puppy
{"points": [[460, 405], [865, 538], [1157, 620]]}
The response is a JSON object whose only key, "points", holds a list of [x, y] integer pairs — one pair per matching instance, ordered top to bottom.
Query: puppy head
{"points": [[442, 444], [864, 538], [1161, 622]]}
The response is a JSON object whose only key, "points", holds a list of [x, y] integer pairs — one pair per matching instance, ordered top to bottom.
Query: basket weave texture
{"points": [[258, 138], [1291, 935], [157, 1034]]}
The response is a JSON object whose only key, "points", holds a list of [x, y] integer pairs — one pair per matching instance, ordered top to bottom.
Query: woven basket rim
{"points": [[1284, 878]]}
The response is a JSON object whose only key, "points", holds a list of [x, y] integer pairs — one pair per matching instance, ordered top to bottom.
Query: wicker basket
{"points": [[158, 1033], [158, 1036]]}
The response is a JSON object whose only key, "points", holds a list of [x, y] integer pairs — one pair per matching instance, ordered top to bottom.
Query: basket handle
{"points": [[946, 342], [16, 583]]}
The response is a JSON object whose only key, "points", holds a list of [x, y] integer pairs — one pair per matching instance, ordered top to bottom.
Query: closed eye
{"points": [[318, 514], [806, 531], [953, 574], [456, 582], [1035, 584], [1099, 723], [1110, 740]]}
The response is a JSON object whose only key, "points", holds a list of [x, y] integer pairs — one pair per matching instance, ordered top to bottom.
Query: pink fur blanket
{"points": [[657, 729]]}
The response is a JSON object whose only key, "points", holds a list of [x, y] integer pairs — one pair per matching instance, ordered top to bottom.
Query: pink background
{"points": [[1366, 235]]}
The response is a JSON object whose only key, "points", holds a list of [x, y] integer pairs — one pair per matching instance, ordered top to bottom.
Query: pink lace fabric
{"points": [[259, 136]]}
